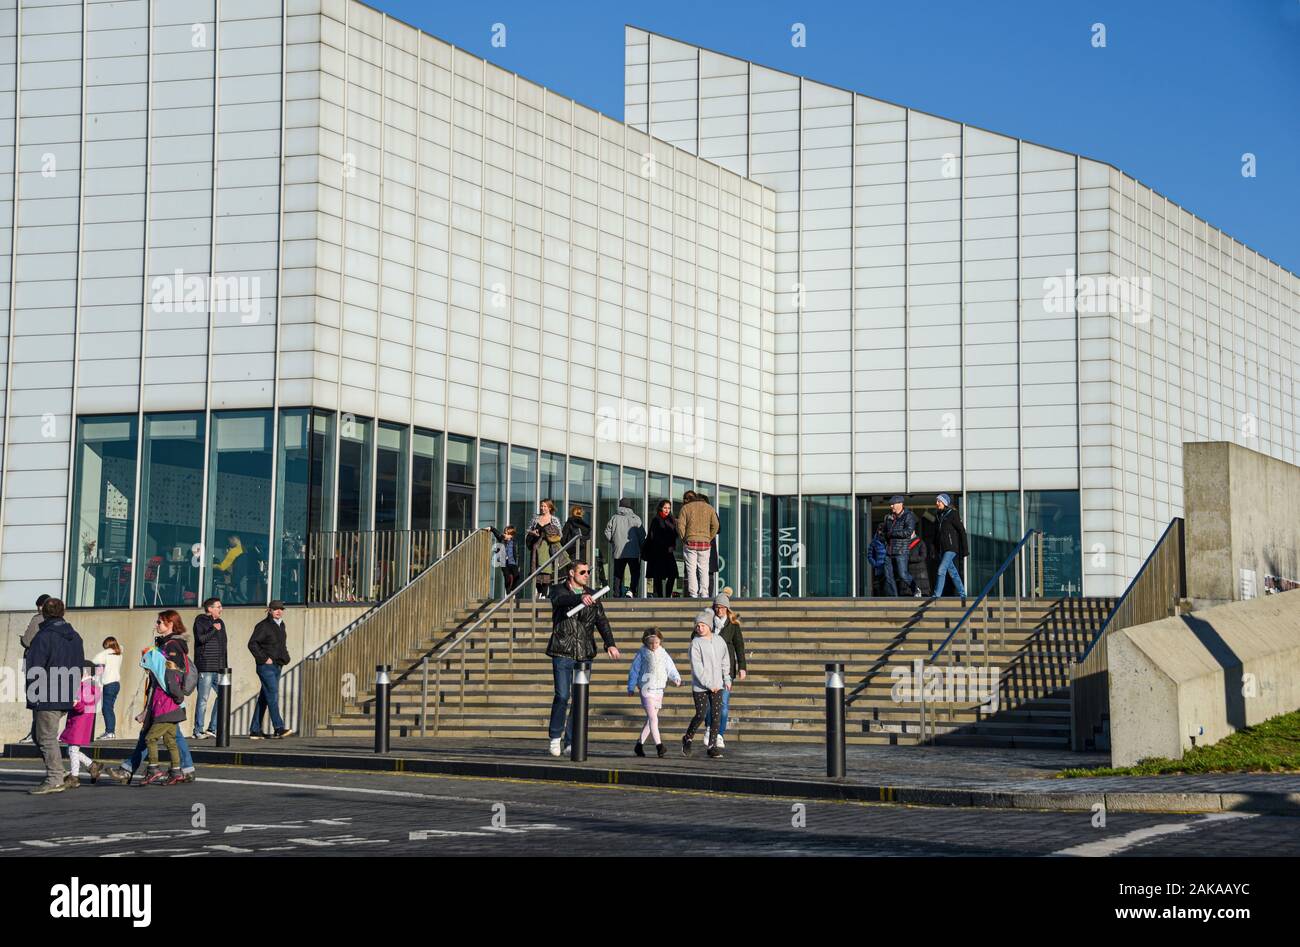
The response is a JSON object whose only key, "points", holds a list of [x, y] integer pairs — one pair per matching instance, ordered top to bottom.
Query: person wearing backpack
{"points": [[171, 641], [269, 648]]}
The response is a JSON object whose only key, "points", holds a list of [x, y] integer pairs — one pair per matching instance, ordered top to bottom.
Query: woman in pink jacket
{"points": [[80, 730]]}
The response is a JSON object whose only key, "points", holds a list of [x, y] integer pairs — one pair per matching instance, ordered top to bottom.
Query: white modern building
{"points": [[281, 272]]}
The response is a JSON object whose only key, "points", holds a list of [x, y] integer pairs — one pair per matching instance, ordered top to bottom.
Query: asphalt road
{"points": [[248, 811]]}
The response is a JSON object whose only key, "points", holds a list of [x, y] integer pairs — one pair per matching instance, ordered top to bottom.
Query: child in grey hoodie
{"points": [[710, 678]]}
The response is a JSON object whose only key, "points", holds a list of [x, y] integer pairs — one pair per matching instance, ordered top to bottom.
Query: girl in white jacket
{"points": [[651, 670]]}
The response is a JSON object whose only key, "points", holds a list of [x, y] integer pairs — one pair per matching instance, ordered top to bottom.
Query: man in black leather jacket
{"points": [[573, 644]]}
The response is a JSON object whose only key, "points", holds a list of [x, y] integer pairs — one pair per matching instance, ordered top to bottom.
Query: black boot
{"points": [[659, 748], [638, 749]]}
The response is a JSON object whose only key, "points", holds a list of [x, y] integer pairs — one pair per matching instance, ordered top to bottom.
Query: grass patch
{"points": [[1270, 747]]}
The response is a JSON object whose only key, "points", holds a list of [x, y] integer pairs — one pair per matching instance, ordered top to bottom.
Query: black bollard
{"points": [[581, 686], [382, 687], [223, 708], [835, 721]]}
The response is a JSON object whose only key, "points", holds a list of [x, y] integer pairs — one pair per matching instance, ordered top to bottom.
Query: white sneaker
{"points": [[109, 736], [721, 744], [555, 747], [568, 750]]}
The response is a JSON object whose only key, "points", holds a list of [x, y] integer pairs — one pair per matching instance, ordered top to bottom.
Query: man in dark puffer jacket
{"points": [[573, 644]]}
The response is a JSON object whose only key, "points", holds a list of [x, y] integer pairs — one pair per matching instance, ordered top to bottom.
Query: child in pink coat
{"points": [[80, 729]]}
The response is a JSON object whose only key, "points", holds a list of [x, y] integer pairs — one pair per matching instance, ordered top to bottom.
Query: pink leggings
{"points": [[651, 701]]}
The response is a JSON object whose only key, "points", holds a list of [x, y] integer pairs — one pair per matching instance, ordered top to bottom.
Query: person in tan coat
{"points": [[697, 524]]}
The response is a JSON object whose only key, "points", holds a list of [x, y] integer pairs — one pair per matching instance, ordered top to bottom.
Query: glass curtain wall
{"points": [[356, 446], [462, 463], [551, 472], [390, 477], [426, 480], [607, 483], [491, 484], [293, 486], [633, 488], [523, 492], [582, 493], [320, 501], [728, 504], [239, 507], [103, 508], [171, 510], [1056, 513], [992, 531], [782, 548], [827, 556], [748, 563], [865, 574]]}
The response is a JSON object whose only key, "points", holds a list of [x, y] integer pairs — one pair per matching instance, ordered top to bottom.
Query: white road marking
{"points": [[1104, 848]]}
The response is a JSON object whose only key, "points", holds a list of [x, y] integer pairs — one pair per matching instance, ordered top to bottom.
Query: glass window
{"points": [[356, 446], [461, 465], [390, 477], [426, 480], [552, 483], [607, 483], [491, 484], [680, 486], [293, 488], [633, 488], [661, 488], [523, 491], [581, 493], [239, 506], [103, 507], [171, 510], [320, 510], [1056, 513], [992, 531], [748, 544], [781, 546], [728, 557], [827, 558], [866, 576]]}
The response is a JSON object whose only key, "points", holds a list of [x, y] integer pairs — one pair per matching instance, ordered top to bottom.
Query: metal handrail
{"points": [[1029, 534], [1119, 603], [399, 624], [462, 639]]}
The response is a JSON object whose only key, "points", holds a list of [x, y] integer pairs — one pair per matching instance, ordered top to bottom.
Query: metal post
{"points": [[383, 685], [581, 687], [424, 692], [223, 708], [835, 720]]}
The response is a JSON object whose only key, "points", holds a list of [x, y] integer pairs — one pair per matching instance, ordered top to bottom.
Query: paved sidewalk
{"points": [[947, 776]]}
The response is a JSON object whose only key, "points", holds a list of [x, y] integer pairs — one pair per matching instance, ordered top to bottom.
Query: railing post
{"points": [[424, 692], [835, 733]]}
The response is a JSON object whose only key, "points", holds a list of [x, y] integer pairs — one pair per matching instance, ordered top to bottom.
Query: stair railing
{"points": [[1027, 582], [1156, 592], [391, 630], [441, 654]]}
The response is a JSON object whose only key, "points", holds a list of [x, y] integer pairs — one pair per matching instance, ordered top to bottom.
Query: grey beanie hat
{"points": [[721, 599], [705, 617]]}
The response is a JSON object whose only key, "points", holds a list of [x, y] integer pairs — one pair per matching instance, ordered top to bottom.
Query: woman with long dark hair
{"points": [[660, 550]]}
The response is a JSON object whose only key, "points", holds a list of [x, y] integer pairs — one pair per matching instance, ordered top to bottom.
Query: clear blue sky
{"points": [[1181, 91]]}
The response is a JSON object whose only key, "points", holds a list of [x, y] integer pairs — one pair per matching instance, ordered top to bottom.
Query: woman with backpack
{"points": [[544, 541], [171, 639]]}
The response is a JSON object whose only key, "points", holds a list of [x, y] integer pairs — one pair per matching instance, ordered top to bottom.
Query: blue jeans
{"points": [[898, 562], [946, 568], [207, 684], [268, 698], [110, 700], [726, 706], [561, 720], [137, 755]]}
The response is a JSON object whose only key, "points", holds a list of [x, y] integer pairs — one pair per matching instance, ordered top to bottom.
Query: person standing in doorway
{"points": [[697, 524], [576, 525], [900, 530], [625, 533], [545, 542], [952, 545], [660, 550], [573, 644], [270, 650], [210, 656]]}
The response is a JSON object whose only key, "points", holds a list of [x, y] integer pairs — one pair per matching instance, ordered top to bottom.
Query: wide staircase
{"points": [[491, 678]]}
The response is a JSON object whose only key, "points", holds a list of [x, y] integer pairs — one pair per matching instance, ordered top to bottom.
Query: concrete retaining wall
{"points": [[1242, 513], [307, 629], [1209, 673]]}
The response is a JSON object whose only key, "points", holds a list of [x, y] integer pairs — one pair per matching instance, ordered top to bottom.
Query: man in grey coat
{"points": [[625, 534]]}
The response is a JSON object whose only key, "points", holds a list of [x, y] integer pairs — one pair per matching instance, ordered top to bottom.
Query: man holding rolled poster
{"points": [[576, 616]]}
